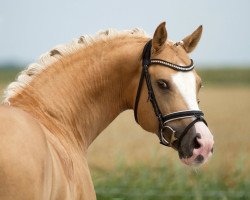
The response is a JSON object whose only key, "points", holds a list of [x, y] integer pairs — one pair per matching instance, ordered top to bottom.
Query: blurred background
{"points": [[125, 161]]}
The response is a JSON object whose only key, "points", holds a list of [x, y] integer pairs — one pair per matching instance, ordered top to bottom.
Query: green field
{"points": [[8, 74], [128, 163], [168, 181]]}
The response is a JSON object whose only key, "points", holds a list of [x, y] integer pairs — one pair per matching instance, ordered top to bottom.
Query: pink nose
{"points": [[204, 145], [204, 152]]}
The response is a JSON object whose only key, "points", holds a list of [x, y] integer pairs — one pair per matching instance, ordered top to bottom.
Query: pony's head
{"points": [[167, 97]]}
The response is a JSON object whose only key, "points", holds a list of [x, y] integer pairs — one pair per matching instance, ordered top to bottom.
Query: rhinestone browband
{"points": [[171, 65]]}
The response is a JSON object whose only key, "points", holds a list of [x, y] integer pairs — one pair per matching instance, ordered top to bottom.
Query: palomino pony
{"points": [[58, 106]]}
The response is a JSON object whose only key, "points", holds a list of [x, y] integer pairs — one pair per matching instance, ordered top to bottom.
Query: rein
{"points": [[164, 119]]}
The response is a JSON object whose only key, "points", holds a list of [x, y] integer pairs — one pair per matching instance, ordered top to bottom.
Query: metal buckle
{"points": [[173, 137]]}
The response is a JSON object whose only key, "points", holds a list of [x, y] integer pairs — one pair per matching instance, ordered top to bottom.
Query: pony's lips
{"points": [[193, 161]]}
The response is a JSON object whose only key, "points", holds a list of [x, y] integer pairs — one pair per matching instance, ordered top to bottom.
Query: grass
{"points": [[8, 74], [225, 76], [172, 182]]}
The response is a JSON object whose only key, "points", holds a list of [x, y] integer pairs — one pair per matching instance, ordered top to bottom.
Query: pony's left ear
{"points": [[160, 37], [190, 42]]}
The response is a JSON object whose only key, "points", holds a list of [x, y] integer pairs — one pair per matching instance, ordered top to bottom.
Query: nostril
{"points": [[197, 145], [212, 150], [199, 158]]}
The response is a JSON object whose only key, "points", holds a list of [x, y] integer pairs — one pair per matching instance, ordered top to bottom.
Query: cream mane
{"points": [[46, 59]]}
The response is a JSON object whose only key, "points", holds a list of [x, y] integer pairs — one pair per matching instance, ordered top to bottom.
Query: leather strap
{"points": [[145, 61], [182, 114], [189, 127]]}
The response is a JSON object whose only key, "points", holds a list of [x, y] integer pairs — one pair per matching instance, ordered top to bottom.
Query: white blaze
{"points": [[186, 84]]}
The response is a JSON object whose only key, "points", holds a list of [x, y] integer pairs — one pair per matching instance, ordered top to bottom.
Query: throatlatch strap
{"points": [[145, 61], [138, 95]]}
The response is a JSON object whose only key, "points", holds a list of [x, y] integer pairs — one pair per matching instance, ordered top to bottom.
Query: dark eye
{"points": [[162, 84], [198, 101]]}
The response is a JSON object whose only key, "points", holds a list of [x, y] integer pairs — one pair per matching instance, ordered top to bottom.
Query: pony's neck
{"points": [[81, 94]]}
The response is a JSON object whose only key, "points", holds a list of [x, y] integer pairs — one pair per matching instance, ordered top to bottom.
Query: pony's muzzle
{"points": [[197, 145]]}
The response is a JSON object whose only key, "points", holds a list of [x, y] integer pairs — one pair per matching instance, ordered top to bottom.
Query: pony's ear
{"points": [[160, 37], [190, 42]]}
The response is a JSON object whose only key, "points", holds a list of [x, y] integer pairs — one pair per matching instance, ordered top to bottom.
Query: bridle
{"points": [[164, 119]]}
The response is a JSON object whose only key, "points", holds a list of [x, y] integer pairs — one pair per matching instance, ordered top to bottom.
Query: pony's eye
{"points": [[162, 85], [198, 101]]}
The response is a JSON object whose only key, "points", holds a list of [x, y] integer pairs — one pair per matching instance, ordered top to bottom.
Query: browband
{"points": [[172, 65]]}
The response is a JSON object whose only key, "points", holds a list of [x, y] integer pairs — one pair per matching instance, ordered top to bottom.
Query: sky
{"points": [[29, 28]]}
